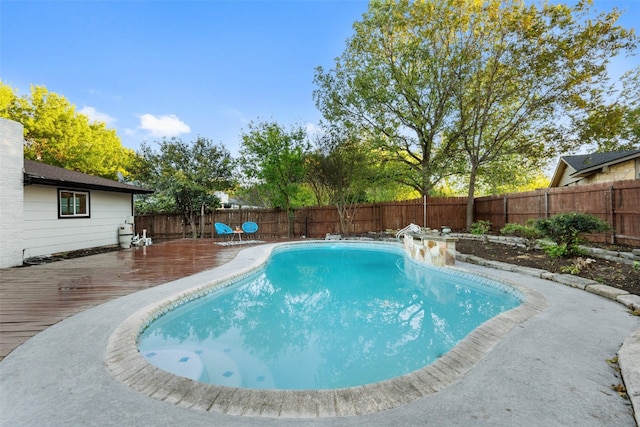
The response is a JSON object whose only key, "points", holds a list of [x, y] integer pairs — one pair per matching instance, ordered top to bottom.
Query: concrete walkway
{"points": [[549, 370]]}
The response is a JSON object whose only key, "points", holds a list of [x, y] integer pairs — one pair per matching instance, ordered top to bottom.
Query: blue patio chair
{"points": [[249, 227], [223, 229]]}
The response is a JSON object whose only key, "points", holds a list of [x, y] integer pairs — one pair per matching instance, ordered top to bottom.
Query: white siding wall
{"points": [[11, 164], [567, 180], [46, 234]]}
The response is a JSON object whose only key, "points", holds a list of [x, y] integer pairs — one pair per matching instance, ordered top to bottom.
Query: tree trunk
{"points": [[470, 196], [342, 215], [202, 221], [290, 222], [192, 224]]}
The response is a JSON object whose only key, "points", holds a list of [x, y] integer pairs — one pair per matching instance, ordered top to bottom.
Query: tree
{"points": [[524, 67], [394, 82], [452, 86], [612, 121], [57, 135], [272, 160], [343, 169], [189, 174], [509, 174]]}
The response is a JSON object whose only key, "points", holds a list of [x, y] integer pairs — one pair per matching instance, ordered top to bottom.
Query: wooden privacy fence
{"points": [[618, 203], [429, 212], [314, 221], [161, 227]]}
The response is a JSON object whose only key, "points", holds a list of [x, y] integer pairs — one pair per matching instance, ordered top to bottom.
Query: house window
{"points": [[73, 204]]}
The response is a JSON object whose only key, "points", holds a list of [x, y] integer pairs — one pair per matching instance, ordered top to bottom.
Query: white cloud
{"points": [[97, 116], [159, 126]]}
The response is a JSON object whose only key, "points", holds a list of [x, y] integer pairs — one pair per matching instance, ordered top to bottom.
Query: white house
{"points": [[46, 209]]}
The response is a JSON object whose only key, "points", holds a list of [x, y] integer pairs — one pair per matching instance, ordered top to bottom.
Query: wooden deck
{"points": [[36, 297]]}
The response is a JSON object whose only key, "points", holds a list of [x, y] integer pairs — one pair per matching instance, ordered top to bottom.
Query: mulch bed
{"points": [[611, 273]]}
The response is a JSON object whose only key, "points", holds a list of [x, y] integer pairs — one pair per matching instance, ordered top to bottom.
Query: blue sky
{"points": [[188, 68]]}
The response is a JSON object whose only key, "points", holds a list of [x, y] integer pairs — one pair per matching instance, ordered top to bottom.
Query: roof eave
{"points": [[595, 168], [557, 174], [32, 179]]}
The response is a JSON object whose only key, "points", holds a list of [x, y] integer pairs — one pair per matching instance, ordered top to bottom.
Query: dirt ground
{"points": [[617, 275]]}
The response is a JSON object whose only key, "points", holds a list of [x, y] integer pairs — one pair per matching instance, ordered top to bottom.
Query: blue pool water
{"points": [[322, 317]]}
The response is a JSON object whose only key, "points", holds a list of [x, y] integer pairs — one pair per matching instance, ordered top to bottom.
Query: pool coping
{"points": [[125, 363]]}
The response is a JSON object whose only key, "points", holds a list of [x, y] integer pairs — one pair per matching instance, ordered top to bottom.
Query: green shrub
{"points": [[481, 227], [565, 230], [528, 233], [558, 251]]}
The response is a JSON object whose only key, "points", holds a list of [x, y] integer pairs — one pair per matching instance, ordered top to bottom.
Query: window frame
{"points": [[75, 194]]}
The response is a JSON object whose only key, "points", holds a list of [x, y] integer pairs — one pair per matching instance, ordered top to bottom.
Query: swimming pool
{"points": [[323, 317], [128, 365]]}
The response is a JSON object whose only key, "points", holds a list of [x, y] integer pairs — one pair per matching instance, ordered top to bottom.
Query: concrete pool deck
{"points": [[548, 370]]}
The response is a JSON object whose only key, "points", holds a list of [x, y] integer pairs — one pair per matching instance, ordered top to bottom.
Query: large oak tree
{"points": [[444, 83], [56, 134]]}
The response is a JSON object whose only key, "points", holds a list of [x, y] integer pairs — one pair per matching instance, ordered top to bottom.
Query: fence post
{"points": [[546, 205], [424, 211], [506, 212], [613, 216], [202, 221]]}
